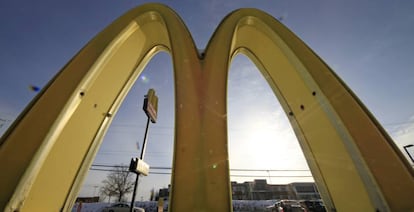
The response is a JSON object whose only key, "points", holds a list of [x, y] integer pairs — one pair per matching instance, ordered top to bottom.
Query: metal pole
{"points": [[144, 144]]}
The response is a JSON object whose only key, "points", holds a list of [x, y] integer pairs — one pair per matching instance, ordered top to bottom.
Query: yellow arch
{"points": [[355, 163]]}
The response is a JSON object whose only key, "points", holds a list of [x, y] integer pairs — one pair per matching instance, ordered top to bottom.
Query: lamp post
{"points": [[408, 153], [138, 165], [94, 191]]}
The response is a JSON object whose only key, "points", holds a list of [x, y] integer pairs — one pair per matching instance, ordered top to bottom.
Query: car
{"points": [[313, 205], [289, 206], [121, 207]]}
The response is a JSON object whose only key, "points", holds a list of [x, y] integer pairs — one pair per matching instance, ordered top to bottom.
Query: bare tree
{"points": [[119, 182], [105, 192]]}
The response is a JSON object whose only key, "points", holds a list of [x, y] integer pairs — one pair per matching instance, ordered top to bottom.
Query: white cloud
{"points": [[404, 135]]}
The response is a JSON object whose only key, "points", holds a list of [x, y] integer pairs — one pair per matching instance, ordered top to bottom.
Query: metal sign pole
{"points": [[144, 144], [139, 166]]}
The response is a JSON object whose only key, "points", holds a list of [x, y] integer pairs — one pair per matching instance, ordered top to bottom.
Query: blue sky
{"points": [[368, 44]]}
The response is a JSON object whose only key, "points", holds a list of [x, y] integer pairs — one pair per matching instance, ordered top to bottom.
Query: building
{"points": [[260, 190], [242, 191], [304, 191], [280, 192], [163, 193]]}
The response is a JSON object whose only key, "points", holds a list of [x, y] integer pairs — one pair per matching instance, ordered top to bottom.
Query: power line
{"points": [[169, 127], [111, 166], [237, 170], [273, 170], [231, 175], [267, 176]]}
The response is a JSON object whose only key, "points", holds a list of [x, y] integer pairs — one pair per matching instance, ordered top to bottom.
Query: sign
{"points": [[151, 105], [139, 166]]}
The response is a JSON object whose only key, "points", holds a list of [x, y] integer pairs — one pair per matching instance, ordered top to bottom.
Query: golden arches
{"points": [[73, 113], [354, 162]]}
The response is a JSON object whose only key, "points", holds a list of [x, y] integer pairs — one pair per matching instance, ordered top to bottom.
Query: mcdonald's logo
{"points": [[50, 147]]}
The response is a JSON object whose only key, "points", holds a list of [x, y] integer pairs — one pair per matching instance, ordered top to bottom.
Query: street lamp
{"points": [[408, 153], [138, 165], [94, 191]]}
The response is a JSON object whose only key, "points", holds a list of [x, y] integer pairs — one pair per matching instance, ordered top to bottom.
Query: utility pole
{"points": [[137, 165]]}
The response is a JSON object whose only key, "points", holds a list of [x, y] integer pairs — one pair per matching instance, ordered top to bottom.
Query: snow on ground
{"points": [[151, 206], [90, 207]]}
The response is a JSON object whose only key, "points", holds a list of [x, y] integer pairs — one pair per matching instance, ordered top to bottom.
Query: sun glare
{"points": [[260, 135]]}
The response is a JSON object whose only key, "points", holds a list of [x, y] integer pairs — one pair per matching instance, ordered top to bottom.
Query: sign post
{"points": [[137, 165]]}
